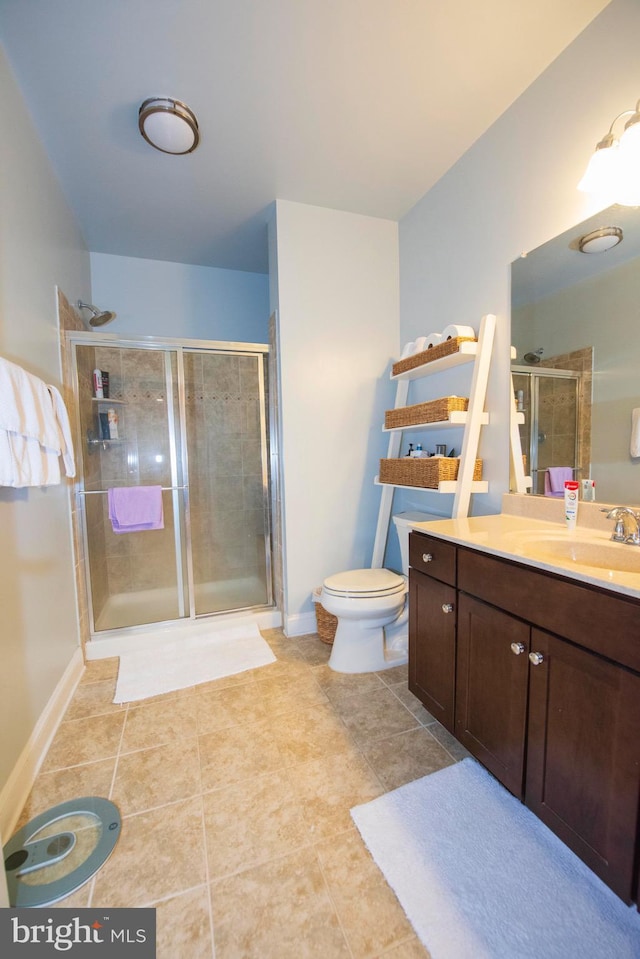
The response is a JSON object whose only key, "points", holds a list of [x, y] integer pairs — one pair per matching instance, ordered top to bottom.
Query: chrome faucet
{"points": [[622, 533]]}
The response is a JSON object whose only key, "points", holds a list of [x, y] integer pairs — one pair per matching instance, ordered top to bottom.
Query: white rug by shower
{"points": [[193, 658], [481, 878]]}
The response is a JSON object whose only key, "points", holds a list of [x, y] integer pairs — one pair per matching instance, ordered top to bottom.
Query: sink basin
{"points": [[568, 548]]}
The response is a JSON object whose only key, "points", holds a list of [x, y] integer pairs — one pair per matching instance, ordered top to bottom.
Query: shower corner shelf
{"points": [[109, 400]]}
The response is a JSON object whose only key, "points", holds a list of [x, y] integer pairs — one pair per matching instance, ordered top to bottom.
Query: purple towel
{"points": [[555, 478], [134, 508]]}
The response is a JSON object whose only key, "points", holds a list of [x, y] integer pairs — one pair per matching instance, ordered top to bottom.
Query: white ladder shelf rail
{"points": [[476, 352]]}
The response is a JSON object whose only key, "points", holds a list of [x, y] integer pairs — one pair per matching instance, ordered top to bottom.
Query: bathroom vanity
{"points": [[532, 660]]}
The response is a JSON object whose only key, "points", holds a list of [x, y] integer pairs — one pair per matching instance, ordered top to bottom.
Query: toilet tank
{"points": [[404, 523]]}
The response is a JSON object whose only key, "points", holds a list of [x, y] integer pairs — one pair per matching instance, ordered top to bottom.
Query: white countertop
{"points": [[537, 543]]}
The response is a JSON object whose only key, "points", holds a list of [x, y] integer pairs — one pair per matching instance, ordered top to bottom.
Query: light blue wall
{"points": [[513, 190], [41, 247], [156, 298]]}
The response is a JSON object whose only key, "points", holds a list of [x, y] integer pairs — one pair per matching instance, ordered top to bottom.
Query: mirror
{"points": [[575, 324]]}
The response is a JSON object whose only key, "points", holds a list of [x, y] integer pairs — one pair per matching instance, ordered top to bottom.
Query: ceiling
{"points": [[356, 105]]}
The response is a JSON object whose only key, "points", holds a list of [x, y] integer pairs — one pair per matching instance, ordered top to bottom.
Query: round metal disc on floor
{"points": [[60, 850]]}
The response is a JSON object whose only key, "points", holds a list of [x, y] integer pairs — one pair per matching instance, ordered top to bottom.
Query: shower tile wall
{"points": [[582, 362], [227, 498]]}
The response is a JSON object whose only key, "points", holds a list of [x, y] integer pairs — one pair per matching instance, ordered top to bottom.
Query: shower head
{"points": [[98, 317], [533, 357]]}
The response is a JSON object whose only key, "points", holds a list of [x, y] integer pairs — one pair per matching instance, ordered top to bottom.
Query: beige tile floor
{"points": [[235, 799]]}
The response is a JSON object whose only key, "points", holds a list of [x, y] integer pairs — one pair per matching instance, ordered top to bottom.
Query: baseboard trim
{"points": [[300, 624], [22, 777]]}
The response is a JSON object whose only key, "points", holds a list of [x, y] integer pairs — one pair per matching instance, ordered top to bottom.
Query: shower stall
{"points": [[191, 419], [553, 432]]}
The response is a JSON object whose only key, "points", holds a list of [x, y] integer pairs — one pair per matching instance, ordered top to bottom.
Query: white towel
{"points": [[454, 330], [26, 407], [65, 429], [634, 445], [30, 463]]}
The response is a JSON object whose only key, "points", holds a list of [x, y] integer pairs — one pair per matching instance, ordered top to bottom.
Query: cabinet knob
{"points": [[427, 557], [447, 607], [517, 648], [536, 658]]}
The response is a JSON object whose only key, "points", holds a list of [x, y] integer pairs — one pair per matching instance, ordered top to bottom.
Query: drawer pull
{"points": [[427, 558], [447, 607], [517, 648], [536, 658]]}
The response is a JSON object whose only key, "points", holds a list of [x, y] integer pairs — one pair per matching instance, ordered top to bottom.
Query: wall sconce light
{"points": [[168, 125], [614, 168], [599, 241]]}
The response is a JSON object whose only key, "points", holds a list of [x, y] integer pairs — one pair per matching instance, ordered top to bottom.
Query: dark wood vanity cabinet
{"points": [[432, 626], [556, 718]]}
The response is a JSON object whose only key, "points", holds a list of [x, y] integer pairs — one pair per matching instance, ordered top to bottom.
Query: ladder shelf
{"points": [[476, 352]]}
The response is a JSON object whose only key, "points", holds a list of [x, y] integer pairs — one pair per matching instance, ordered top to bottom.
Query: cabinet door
{"points": [[432, 645], [491, 689], [583, 766]]}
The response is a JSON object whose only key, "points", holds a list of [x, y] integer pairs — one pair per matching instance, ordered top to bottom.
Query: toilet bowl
{"points": [[372, 610]]}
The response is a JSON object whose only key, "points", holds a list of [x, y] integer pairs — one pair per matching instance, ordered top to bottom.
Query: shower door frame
{"points": [[534, 413], [179, 462]]}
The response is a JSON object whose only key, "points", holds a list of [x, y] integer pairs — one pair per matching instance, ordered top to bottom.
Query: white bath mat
{"points": [[196, 657], [481, 878]]}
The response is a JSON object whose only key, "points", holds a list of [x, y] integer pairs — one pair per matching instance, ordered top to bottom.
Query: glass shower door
{"points": [[228, 479], [136, 577]]}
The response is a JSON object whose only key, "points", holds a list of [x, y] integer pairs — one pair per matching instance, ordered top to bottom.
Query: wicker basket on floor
{"points": [[428, 356], [435, 411], [423, 471], [327, 622]]}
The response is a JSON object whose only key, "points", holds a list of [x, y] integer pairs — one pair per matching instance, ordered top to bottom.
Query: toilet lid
{"points": [[365, 582]]}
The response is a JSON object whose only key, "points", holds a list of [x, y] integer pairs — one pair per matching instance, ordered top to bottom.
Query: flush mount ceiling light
{"points": [[168, 125], [613, 172], [598, 241]]}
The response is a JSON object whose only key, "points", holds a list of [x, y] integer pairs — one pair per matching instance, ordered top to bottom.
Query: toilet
{"points": [[372, 610]]}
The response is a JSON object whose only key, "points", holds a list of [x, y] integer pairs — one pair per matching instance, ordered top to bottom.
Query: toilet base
{"points": [[357, 649]]}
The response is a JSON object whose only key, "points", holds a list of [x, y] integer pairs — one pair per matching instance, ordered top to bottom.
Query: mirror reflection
{"points": [[576, 378]]}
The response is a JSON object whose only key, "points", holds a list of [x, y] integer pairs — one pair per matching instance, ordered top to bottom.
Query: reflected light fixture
{"points": [[168, 125], [613, 172], [599, 241]]}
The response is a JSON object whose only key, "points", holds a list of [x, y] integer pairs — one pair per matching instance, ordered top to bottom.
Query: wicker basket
{"points": [[428, 356], [435, 411], [423, 471], [327, 622]]}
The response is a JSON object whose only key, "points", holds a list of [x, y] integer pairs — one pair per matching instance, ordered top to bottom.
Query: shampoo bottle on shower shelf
{"points": [[97, 385], [113, 424]]}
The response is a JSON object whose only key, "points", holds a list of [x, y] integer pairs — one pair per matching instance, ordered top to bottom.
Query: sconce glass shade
{"points": [[168, 125], [613, 172], [601, 174], [628, 192]]}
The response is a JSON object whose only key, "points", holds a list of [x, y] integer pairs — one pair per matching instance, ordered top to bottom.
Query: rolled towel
{"points": [[454, 330], [433, 339], [420, 344], [407, 350], [634, 445]]}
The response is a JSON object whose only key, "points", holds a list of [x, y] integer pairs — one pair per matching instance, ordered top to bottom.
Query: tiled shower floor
{"points": [[235, 799]]}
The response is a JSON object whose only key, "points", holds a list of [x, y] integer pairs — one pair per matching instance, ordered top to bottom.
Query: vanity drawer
{"points": [[433, 556], [601, 621]]}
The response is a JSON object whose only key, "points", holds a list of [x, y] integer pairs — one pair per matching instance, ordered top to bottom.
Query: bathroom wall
{"points": [[513, 190], [40, 247], [335, 289], [154, 298]]}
